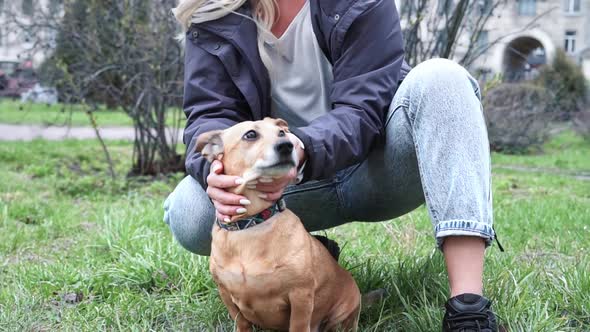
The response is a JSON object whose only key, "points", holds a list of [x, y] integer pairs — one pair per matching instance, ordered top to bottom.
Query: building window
{"points": [[572, 6], [27, 7], [445, 7], [527, 7], [482, 40], [570, 42]]}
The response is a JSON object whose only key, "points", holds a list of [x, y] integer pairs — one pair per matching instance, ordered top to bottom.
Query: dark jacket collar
{"points": [[325, 14], [228, 25], [241, 31]]}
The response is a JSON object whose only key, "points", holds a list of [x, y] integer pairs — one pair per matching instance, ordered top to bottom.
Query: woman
{"points": [[376, 139]]}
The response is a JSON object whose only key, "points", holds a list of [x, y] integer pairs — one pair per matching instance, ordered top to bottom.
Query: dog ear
{"points": [[282, 124], [210, 144]]}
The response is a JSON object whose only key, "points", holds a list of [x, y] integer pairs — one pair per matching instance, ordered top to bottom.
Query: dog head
{"points": [[250, 150]]}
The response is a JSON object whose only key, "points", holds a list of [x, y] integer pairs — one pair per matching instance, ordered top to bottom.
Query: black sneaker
{"points": [[469, 312]]}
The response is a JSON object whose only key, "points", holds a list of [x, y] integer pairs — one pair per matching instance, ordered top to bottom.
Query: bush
{"points": [[122, 54], [565, 83], [516, 117], [582, 124]]}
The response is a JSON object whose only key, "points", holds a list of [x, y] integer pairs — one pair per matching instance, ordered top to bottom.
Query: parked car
{"points": [[7, 68], [16, 78], [40, 94]]}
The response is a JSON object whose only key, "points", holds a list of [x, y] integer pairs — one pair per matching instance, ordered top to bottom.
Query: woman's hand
{"points": [[226, 204]]}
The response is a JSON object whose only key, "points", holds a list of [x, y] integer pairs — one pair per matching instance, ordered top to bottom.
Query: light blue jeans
{"points": [[435, 150]]}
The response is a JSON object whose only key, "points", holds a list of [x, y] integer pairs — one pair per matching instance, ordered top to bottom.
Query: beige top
{"points": [[301, 75]]}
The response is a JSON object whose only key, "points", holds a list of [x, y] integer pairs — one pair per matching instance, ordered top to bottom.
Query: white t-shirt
{"points": [[300, 74]]}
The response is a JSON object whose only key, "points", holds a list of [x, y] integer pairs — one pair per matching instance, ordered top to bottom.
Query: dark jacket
{"points": [[226, 81]]}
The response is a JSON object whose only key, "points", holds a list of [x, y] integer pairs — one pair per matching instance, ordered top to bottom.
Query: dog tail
{"points": [[331, 245], [373, 297]]}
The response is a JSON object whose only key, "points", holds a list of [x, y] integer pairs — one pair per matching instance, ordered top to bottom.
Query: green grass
{"points": [[15, 112], [566, 152], [65, 229]]}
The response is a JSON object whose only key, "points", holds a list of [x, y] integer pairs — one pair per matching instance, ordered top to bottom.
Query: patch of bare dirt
{"points": [[12, 196], [88, 226], [24, 257]]}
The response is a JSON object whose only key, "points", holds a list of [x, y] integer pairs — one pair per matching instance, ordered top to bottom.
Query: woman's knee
{"points": [[443, 77], [441, 92], [189, 213]]}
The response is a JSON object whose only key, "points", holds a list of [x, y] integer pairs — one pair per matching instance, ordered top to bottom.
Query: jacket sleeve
{"points": [[367, 55], [211, 101]]}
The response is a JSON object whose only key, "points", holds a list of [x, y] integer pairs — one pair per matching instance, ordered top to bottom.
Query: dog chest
{"points": [[257, 278], [259, 293]]}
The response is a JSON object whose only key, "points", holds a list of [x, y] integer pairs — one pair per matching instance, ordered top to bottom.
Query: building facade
{"points": [[536, 29], [522, 34], [525, 34], [16, 44]]}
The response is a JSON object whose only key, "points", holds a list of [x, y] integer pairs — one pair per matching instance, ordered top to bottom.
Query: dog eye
{"points": [[282, 133], [250, 136]]}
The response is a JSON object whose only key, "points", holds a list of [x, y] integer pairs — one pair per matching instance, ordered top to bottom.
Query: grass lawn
{"points": [[15, 112], [79, 252]]}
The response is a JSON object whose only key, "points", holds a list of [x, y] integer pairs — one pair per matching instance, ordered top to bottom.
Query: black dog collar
{"points": [[263, 216]]}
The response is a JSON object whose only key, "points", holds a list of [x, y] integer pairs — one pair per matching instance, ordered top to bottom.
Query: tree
{"points": [[434, 28], [120, 53], [566, 83]]}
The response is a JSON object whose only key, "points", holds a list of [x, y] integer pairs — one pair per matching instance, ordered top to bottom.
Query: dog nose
{"points": [[284, 147]]}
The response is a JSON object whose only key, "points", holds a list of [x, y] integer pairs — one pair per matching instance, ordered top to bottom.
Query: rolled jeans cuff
{"points": [[463, 228]]}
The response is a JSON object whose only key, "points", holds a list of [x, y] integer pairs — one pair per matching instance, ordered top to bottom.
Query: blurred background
{"points": [[121, 56], [90, 145]]}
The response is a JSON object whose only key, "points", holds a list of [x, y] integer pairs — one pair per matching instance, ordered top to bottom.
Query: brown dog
{"points": [[274, 275]]}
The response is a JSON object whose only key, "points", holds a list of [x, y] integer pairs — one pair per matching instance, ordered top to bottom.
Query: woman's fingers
{"points": [[216, 167], [219, 180], [223, 181], [225, 197], [226, 203], [228, 210], [222, 217]]}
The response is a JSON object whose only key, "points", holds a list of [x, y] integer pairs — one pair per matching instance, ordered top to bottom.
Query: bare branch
{"points": [[124, 56]]}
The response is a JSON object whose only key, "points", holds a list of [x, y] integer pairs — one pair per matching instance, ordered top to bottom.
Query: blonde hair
{"points": [[197, 11]]}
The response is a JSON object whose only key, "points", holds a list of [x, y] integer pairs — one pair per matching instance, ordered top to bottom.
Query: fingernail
{"points": [[265, 180], [239, 181], [252, 182], [251, 187], [263, 195], [245, 202], [241, 210], [226, 219]]}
